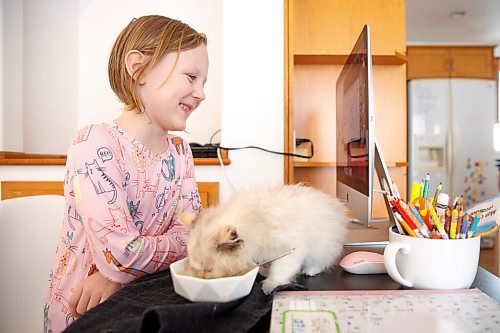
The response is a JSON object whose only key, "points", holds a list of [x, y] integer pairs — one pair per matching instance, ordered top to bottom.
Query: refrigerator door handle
{"points": [[450, 154]]}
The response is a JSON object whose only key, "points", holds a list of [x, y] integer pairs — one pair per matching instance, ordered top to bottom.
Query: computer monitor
{"points": [[357, 151]]}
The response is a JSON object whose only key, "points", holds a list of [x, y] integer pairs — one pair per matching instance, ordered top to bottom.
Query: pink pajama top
{"points": [[122, 208]]}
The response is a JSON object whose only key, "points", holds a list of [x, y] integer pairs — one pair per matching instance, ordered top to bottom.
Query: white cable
{"points": [[233, 189]]}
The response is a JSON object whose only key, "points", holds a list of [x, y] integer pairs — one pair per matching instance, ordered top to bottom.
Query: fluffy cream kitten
{"points": [[262, 223]]}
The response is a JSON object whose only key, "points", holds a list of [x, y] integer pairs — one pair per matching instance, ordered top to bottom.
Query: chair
{"points": [[29, 228]]}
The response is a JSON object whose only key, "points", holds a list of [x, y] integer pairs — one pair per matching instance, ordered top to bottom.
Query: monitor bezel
{"points": [[359, 201]]}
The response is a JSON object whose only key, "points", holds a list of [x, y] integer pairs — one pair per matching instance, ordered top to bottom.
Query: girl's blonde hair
{"points": [[154, 36]]}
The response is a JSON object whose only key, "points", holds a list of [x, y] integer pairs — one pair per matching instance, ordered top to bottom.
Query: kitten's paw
{"points": [[264, 270], [311, 271], [269, 285]]}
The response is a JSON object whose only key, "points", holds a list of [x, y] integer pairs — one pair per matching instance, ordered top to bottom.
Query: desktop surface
{"points": [[150, 304]]}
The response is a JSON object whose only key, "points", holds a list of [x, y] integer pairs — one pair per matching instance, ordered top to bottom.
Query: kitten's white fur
{"points": [[261, 223]]}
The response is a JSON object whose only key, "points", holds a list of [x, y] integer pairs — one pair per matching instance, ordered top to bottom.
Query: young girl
{"points": [[127, 180]]}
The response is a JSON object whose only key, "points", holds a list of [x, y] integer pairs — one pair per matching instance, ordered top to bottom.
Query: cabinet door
{"points": [[330, 26], [428, 62], [472, 62]]}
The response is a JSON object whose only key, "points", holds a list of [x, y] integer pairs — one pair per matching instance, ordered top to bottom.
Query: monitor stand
{"points": [[386, 185]]}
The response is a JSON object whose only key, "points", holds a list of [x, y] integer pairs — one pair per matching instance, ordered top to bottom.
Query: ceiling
{"points": [[432, 22]]}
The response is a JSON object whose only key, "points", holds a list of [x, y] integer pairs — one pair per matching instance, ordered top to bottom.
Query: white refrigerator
{"points": [[450, 136]]}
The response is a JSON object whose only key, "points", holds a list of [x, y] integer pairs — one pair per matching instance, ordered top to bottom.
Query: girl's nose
{"points": [[199, 93]]}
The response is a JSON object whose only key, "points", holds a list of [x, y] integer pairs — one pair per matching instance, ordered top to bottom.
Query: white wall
{"points": [[98, 31], [1, 71], [40, 75], [50, 75], [245, 82], [11, 84], [253, 86]]}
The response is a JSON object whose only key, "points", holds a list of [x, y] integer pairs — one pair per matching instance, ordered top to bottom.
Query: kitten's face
{"points": [[215, 248]]}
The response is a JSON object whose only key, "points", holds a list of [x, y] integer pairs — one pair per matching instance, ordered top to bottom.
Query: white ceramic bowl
{"points": [[222, 290]]}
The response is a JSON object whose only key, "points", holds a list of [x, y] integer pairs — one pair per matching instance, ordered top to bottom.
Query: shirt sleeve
{"points": [[189, 188], [121, 252]]}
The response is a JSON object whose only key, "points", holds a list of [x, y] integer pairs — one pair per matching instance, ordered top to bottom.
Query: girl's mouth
{"points": [[186, 107]]}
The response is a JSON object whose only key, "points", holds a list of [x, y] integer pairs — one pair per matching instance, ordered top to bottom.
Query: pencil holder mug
{"points": [[424, 263]]}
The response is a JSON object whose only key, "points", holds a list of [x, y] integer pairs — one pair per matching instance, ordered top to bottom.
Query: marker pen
{"points": [[427, 181], [415, 191], [437, 193], [442, 203], [424, 213], [404, 214], [396, 218], [447, 220], [413, 222], [437, 222], [459, 222], [405, 225], [453, 225], [465, 225], [473, 225], [425, 230]]}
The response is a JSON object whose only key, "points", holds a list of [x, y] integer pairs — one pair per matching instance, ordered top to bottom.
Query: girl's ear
{"points": [[133, 61]]}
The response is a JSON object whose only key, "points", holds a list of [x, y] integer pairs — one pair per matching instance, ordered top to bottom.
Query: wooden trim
{"points": [[340, 59], [497, 67], [286, 142], [289, 145], [18, 158], [390, 164], [15, 189], [209, 191]]}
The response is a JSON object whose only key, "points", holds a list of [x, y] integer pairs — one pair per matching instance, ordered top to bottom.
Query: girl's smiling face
{"points": [[170, 91]]}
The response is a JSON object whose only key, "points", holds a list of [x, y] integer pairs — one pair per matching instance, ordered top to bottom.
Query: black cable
{"points": [[298, 141], [271, 151]]}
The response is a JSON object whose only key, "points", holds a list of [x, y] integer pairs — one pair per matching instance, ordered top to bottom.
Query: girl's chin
{"points": [[179, 127]]}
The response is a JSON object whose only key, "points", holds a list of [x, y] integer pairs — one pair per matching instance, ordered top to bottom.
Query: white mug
{"points": [[424, 263]]}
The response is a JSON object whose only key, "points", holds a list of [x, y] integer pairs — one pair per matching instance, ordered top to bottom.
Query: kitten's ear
{"points": [[188, 219], [229, 239]]}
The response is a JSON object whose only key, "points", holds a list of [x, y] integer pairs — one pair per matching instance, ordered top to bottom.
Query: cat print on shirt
{"points": [[179, 147], [168, 168], [189, 173], [102, 184], [144, 185], [161, 199], [194, 199], [133, 209], [135, 214], [73, 217], [118, 222]]}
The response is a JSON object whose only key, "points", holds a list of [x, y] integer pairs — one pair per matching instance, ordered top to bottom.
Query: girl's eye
{"points": [[191, 77]]}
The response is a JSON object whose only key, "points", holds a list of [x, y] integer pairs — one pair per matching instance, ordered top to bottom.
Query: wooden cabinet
{"points": [[330, 27], [319, 36], [451, 62], [209, 191]]}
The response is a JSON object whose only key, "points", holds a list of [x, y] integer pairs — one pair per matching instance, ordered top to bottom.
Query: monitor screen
{"points": [[355, 139]]}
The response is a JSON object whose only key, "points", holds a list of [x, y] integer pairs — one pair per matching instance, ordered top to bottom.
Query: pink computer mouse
{"points": [[362, 262]]}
